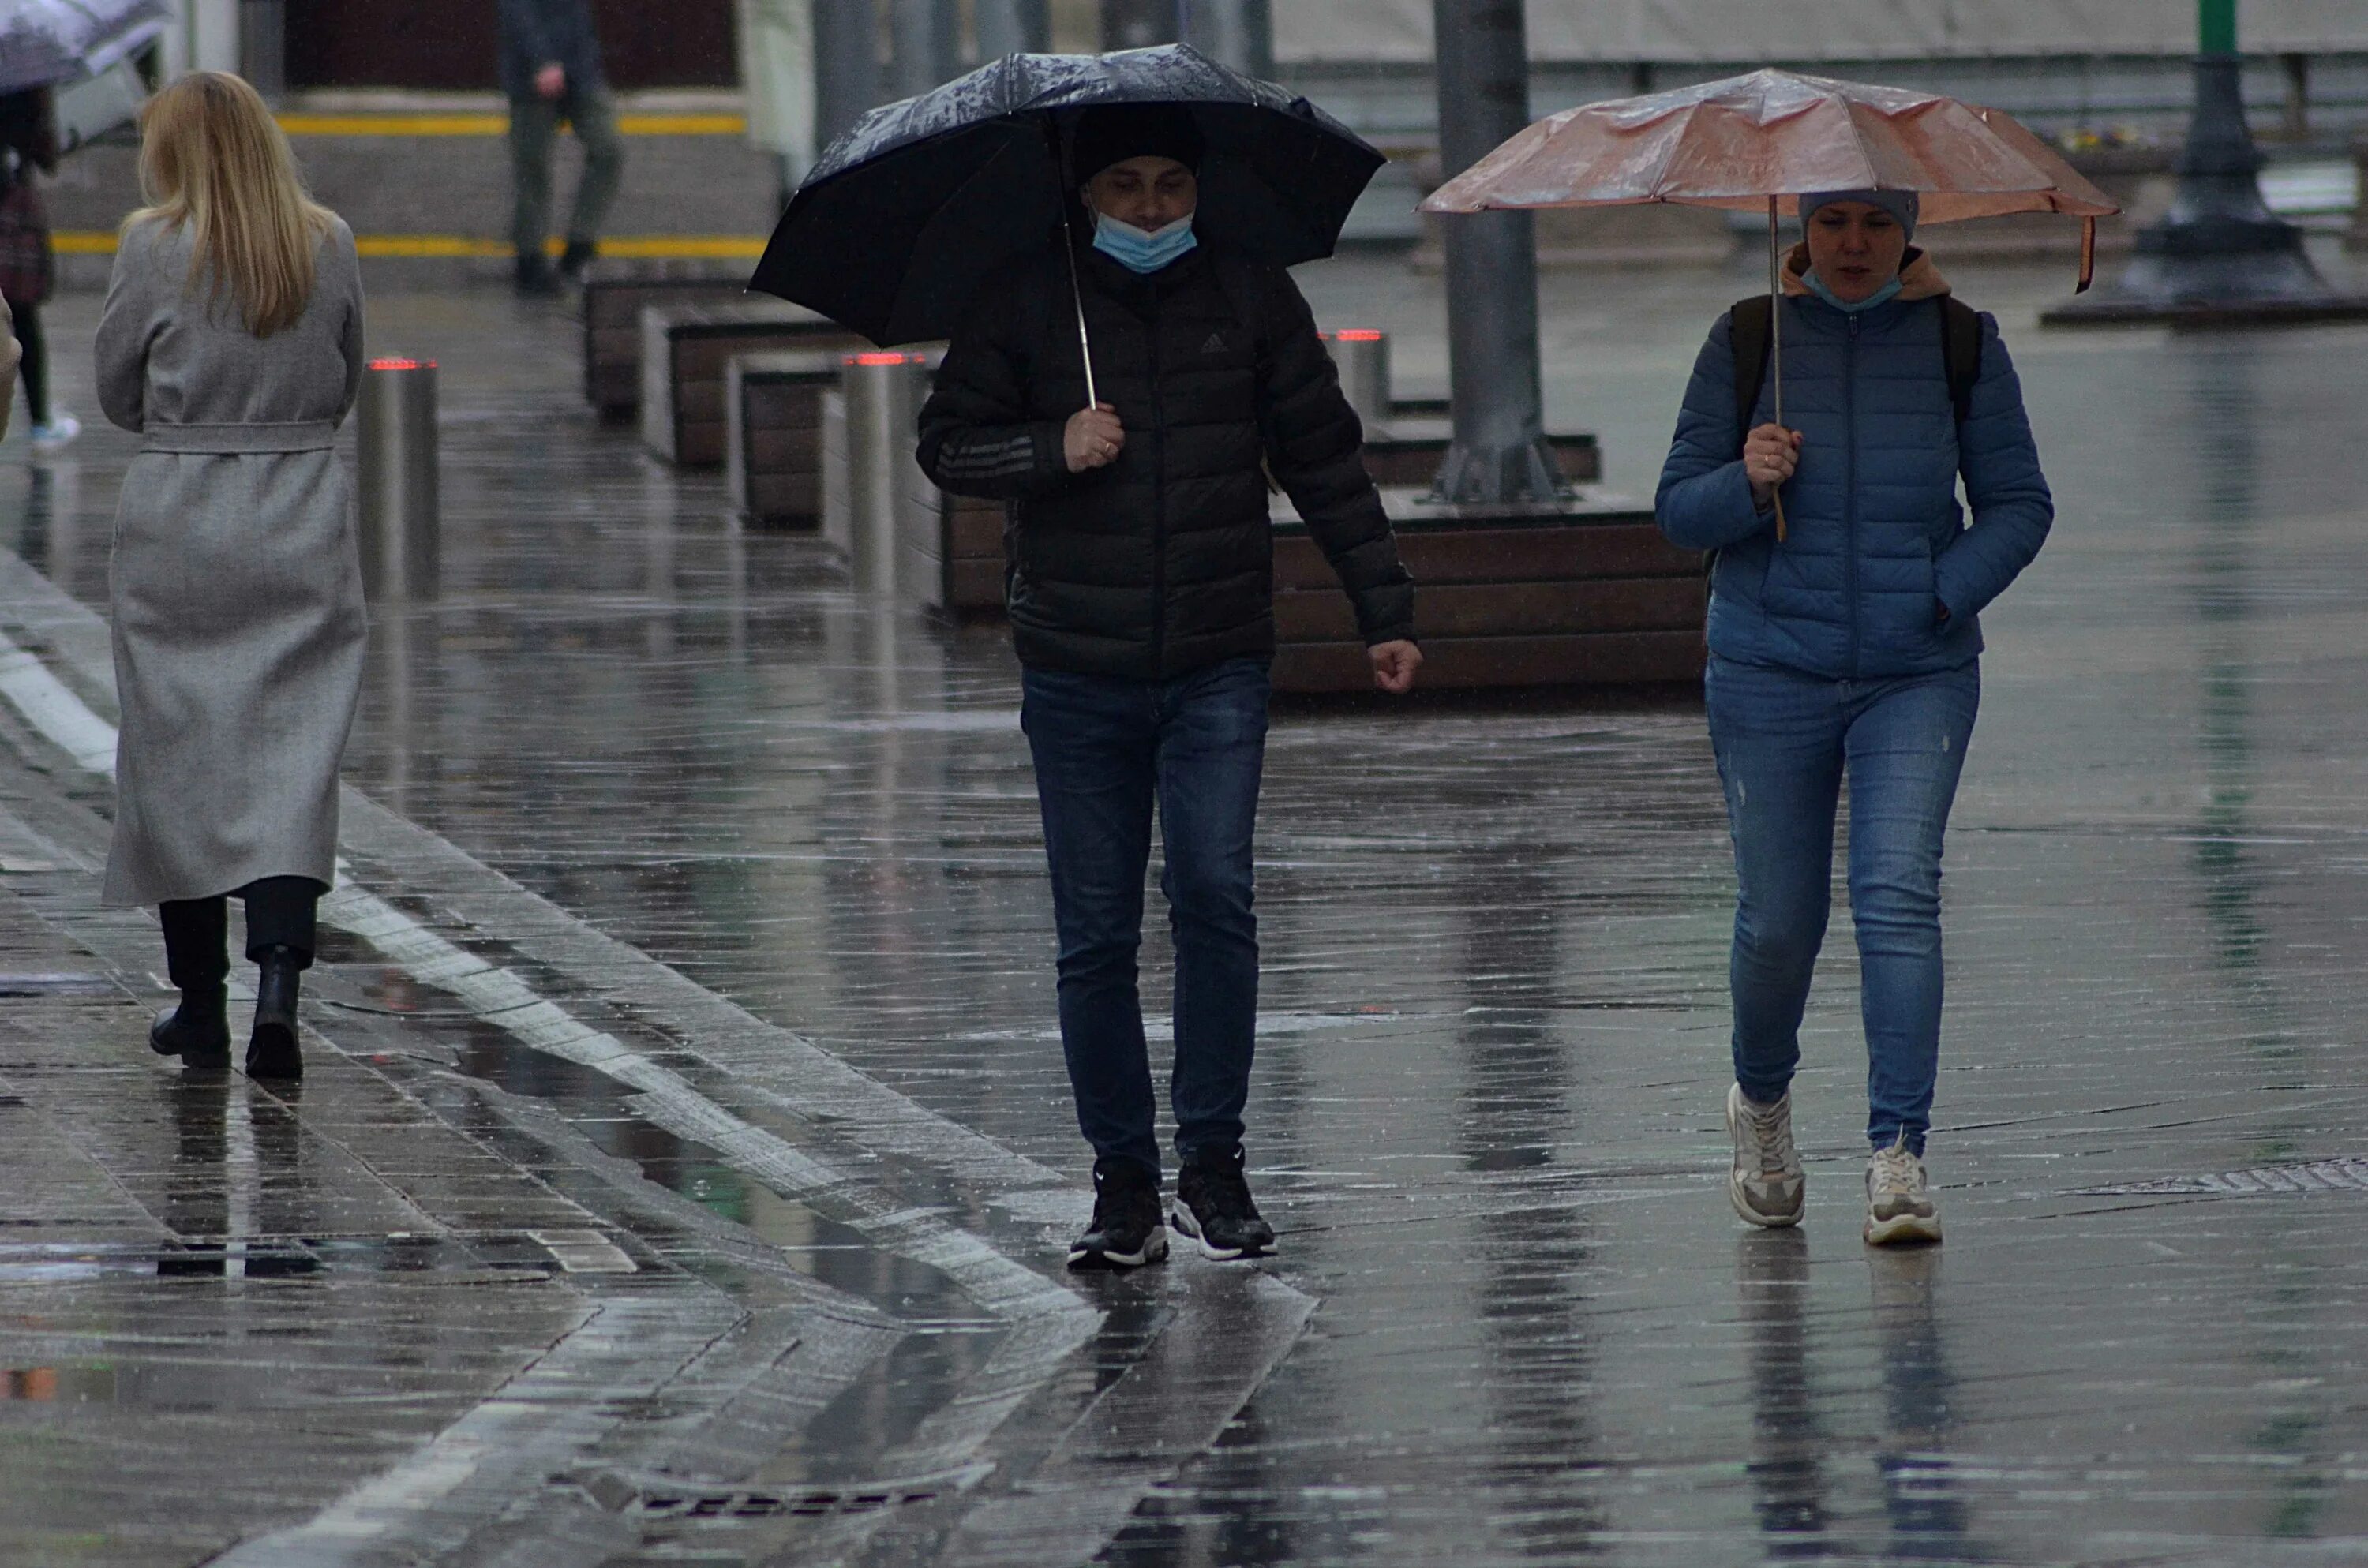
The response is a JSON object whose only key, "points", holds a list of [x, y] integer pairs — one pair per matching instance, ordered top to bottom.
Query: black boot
{"points": [[577, 259], [198, 1031], [271, 1052]]}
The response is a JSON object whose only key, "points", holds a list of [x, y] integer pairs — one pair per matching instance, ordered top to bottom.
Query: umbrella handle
{"points": [[1069, 247], [1077, 298], [1776, 344]]}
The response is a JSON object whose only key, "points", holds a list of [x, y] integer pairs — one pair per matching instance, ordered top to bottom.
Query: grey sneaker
{"points": [[1766, 1185], [1899, 1212]]}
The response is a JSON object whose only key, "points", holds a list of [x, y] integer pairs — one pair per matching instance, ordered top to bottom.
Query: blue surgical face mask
{"points": [[1144, 250], [1851, 307]]}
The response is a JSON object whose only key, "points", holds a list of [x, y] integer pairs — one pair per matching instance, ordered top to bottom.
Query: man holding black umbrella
{"points": [[1140, 598]]}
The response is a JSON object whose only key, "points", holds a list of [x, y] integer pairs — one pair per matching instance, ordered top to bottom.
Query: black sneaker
{"points": [[576, 260], [535, 278], [1214, 1207], [1126, 1232]]}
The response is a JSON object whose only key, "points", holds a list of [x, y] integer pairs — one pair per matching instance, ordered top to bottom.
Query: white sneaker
{"points": [[57, 434], [1765, 1186], [1898, 1210]]}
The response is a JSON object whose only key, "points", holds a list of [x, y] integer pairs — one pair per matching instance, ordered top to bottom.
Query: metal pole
{"points": [[1137, 24], [1014, 27], [1234, 33], [927, 44], [263, 46], [847, 64], [2219, 244], [1362, 356], [1499, 452], [400, 514]]}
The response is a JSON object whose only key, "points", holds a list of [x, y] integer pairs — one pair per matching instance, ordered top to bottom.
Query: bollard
{"points": [[2357, 238], [1363, 357], [873, 508], [399, 517]]}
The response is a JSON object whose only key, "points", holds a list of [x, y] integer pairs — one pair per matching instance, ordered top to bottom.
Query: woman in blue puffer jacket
{"points": [[1845, 642]]}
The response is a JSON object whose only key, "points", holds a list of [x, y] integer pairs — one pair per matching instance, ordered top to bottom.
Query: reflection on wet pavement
{"points": [[1486, 1103]]}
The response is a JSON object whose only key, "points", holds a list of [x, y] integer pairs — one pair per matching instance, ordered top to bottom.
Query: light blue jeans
{"points": [[1785, 741]]}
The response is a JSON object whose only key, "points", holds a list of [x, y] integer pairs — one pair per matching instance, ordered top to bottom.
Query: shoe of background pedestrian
{"points": [[576, 260], [536, 277], [57, 434], [198, 1031], [272, 1051], [1767, 1184], [1214, 1207], [1899, 1210], [1126, 1232]]}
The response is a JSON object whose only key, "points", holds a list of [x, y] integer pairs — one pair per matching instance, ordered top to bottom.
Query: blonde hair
{"points": [[213, 160]]}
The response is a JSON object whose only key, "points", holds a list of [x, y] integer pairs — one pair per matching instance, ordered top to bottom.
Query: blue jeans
{"points": [[1784, 741], [1107, 751]]}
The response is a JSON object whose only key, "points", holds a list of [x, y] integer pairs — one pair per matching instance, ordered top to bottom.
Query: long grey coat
{"points": [[238, 582]]}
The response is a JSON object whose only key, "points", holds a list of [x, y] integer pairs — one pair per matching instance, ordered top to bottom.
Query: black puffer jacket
{"points": [[1162, 563]]}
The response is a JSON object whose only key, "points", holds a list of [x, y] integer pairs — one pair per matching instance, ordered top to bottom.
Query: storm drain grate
{"points": [[2348, 1173], [726, 1508]]}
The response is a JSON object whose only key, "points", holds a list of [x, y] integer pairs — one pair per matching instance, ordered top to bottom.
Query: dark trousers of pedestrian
{"points": [[534, 132], [35, 365], [1785, 741], [1108, 754], [279, 913]]}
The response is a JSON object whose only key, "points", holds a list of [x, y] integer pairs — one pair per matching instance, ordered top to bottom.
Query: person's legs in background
{"points": [[594, 116], [534, 126], [50, 429]]}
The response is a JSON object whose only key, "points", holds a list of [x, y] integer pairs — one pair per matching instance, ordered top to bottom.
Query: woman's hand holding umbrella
{"points": [[1770, 453]]}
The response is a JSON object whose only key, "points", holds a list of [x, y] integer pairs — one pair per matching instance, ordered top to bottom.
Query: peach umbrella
{"points": [[1751, 141]]}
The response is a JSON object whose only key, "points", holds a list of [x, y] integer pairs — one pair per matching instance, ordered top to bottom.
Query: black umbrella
{"points": [[43, 41], [904, 214]]}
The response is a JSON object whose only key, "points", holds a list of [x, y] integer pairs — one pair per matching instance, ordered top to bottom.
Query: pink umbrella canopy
{"points": [[1741, 141]]}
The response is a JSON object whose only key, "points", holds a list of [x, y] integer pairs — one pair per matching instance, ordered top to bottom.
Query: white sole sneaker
{"points": [[1735, 1193], [1189, 1229], [1906, 1229], [1154, 1248]]}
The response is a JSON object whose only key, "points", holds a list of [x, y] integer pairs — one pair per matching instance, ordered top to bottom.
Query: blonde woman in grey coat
{"points": [[231, 344]]}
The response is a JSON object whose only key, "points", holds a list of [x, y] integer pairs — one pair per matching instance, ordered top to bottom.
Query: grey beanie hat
{"points": [[1900, 204]]}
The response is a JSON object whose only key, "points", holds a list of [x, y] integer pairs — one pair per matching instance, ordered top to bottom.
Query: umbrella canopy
{"points": [[46, 41], [1735, 142], [1747, 142], [902, 216]]}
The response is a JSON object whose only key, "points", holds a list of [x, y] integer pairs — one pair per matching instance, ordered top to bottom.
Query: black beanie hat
{"points": [[1111, 133]]}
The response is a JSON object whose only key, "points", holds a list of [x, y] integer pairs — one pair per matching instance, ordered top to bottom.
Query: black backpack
{"points": [[1751, 325]]}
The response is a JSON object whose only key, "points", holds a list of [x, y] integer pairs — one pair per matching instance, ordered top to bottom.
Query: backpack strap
{"points": [[1751, 329], [1960, 352]]}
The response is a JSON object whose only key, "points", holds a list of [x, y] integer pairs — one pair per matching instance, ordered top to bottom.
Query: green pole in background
{"points": [[2215, 27]]}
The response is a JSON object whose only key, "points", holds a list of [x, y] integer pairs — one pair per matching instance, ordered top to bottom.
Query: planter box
{"points": [[612, 329], [685, 352], [1583, 594]]}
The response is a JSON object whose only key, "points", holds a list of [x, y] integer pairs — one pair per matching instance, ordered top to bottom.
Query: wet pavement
{"points": [[686, 1162]]}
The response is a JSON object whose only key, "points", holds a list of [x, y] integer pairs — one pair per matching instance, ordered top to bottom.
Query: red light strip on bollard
{"points": [[402, 364]]}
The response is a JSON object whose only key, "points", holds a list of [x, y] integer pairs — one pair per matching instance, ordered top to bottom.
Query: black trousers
{"points": [[36, 365], [279, 912]]}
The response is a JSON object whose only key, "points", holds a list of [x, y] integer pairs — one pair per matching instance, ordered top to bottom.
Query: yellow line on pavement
{"points": [[499, 124], [416, 247]]}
